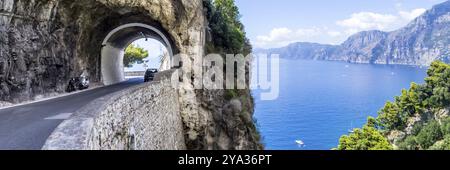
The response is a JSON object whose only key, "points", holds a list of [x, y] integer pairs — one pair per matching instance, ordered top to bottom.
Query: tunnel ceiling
{"points": [[126, 36]]}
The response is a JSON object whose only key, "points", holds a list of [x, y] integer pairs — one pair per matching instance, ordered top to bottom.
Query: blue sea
{"points": [[321, 100]]}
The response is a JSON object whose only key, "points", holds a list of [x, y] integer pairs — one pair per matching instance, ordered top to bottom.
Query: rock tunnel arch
{"points": [[52, 41], [115, 43]]}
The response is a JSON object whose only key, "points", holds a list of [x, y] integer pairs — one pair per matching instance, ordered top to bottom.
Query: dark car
{"points": [[150, 74]]}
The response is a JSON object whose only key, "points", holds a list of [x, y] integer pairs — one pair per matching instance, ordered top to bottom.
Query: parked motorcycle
{"points": [[78, 83]]}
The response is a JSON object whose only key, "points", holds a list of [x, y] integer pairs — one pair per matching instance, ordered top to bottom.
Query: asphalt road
{"points": [[27, 127]]}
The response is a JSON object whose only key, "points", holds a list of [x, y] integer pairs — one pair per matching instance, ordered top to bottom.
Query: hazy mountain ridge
{"points": [[423, 40], [302, 50]]}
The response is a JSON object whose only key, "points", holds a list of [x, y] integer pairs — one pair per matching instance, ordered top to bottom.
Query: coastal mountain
{"points": [[425, 39], [302, 50]]}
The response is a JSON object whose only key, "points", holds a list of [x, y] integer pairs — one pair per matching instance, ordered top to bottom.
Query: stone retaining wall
{"points": [[134, 73], [144, 117]]}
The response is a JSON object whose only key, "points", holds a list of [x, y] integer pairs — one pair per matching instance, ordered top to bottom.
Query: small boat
{"points": [[351, 130], [300, 142]]}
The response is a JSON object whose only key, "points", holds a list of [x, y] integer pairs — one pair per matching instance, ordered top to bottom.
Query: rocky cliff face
{"points": [[26, 28], [424, 40], [43, 43], [361, 47]]}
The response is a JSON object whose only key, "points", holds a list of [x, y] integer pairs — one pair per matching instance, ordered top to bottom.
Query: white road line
{"points": [[54, 97], [50, 98], [61, 116]]}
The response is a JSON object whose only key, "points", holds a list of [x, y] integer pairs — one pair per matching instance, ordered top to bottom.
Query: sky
{"points": [[277, 23]]}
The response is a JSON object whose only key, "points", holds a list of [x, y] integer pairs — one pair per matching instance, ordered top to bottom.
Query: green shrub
{"points": [[438, 84], [230, 94], [395, 114], [445, 126], [416, 129], [429, 135], [367, 138], [409, 143], [442, 145]]}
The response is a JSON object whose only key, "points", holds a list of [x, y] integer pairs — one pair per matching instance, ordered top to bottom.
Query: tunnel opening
{"points": [[116, 42], [145, 54]]}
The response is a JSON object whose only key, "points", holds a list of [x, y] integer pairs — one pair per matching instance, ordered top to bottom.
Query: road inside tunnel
{"points": [[118, 39], [27, 127]]}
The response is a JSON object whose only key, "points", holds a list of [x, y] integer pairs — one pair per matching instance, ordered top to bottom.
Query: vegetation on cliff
{"points": [[227, 31], [227, 36], [419, 114], [367, 138]]}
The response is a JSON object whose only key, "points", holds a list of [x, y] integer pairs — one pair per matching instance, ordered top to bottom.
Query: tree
{"points": [[229, 11], [226, 28], [134, 54], [438, 83], [389, 117], [372, 122], [445, 126], [429, 135], [367, 138], [410, 143], [442, 145]]}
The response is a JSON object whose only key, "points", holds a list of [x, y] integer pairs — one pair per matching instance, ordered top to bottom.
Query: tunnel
{"points": [[117, 40]]}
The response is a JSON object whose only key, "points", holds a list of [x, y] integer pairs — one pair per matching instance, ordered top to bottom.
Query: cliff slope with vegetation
{"points": [[233, 110], [416, 120]]}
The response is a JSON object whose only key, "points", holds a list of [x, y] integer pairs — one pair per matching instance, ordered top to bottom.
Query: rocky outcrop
{"points": [[421, 42], [44, 43], [361, 47], [397, 136]]}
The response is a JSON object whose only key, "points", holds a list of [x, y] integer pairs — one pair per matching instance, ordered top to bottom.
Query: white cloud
{"points": [[410, 15], [364, 21], [368, 21], [357, 22], [334, 33], [283, 36]]}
